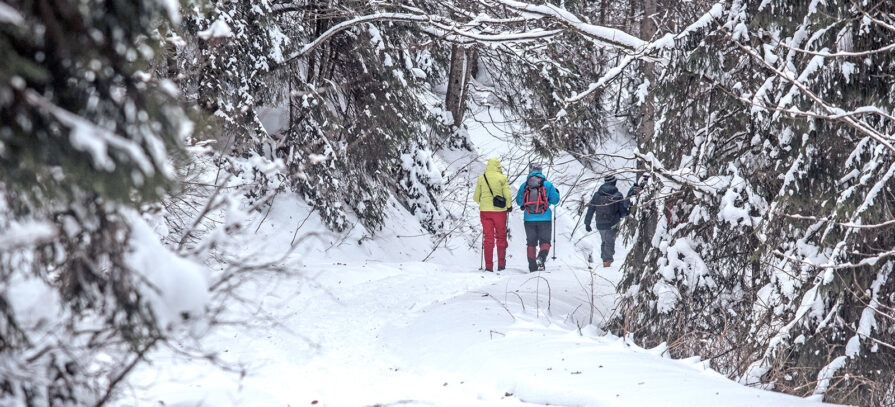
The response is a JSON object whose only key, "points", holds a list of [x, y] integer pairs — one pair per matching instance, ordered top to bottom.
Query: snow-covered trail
{"points": [[364, 322], [373, 333]]}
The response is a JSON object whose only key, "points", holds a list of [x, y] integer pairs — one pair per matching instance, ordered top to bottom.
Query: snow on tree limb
{"points": [[10, 15], [440, 27], [218, 29], [454, 35], [609, 36], [666, 42], [307, 48], [838, 54], [611, 74], [859, 125], [89, 138], [842, 224], [20, 235]]}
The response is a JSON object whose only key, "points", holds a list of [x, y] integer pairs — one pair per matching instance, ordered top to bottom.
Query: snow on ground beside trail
{"points": [[364, 321]]}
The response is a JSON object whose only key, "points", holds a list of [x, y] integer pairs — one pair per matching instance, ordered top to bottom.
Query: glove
{"points": [[509, 208], [587, 228]]}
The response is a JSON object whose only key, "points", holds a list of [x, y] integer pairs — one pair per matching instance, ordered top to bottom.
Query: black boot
{"points": [[542, 258], [532, 265], [501, 268]]}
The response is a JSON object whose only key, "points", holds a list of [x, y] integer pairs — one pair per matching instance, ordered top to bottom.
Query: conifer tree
{"points": [[86, 135], [768, 247]]}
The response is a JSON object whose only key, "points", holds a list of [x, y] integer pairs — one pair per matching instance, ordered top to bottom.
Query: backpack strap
{"points": [[488, 183]]}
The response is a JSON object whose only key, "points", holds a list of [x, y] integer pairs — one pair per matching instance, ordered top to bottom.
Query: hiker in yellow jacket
{"points": [[492, 193]]}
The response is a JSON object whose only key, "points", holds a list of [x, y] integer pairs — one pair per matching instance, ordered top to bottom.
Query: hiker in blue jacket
{"points": [[535, 197], [609, 206]]}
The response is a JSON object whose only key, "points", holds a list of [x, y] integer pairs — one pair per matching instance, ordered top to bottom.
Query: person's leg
{"points": [[500, 224], [544, 240], [531, 243], [488, 245], [607, 246], [611, 249]]}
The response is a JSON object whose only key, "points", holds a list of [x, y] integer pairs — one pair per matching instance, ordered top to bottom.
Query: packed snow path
{"points": [[354, 325], [373, 333]]}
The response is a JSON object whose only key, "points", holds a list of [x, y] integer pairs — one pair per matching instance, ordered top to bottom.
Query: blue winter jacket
{"points": [[552, 199]]}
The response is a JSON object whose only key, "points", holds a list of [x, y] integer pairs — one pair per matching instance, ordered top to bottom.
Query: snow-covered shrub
{"points": [[421, 185]]}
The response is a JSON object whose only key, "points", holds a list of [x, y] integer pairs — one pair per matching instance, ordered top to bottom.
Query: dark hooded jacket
{"points": [[609, 206]]}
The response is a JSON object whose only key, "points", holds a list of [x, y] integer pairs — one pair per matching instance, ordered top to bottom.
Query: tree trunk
{"points": [[604, 4], [462, 64], [647, 125], [647, 220]]}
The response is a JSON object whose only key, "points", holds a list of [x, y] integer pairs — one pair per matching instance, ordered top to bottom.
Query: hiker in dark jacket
{"points": [[534, 198], [609, 206]]}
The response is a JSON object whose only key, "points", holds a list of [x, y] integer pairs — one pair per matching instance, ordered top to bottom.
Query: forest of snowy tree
{"points": [[764, 242]]}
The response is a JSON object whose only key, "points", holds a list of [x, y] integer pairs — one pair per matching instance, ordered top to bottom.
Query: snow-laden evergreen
{"points": [[767, 243]]}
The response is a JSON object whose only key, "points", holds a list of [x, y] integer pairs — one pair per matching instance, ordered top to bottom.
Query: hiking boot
{"points": [[540, 263], [607, 263], [532, 265], [501, 268], [489, 270]]}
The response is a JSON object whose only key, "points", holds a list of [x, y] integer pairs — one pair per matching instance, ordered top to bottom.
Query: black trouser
{"points": [[537, 236]]}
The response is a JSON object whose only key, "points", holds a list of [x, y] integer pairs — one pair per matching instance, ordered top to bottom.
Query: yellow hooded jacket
{"points": [[499, 185]]}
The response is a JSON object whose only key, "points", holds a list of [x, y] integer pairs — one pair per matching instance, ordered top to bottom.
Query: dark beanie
{"points": [[610, 179]]}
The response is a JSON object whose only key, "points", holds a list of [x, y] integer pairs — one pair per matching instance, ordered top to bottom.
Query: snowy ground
{"points": [[369, 323]]}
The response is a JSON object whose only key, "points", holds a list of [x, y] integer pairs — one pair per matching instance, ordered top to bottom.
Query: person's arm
{"points": [[506, 192], [477, 195], [552, 195], [591, 208]]}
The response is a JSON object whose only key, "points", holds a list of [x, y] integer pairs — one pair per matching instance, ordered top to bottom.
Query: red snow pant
{"points": [[494, 225]]}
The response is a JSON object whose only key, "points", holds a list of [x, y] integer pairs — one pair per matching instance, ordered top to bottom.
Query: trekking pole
{"points": [[508, 227], [554, 232], [482, 257]]}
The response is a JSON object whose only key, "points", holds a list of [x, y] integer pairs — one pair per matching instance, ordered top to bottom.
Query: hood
{"points": [[493, 166], [538, 173], [607, 189]]}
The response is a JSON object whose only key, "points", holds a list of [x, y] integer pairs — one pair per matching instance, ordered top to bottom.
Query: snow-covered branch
{"points": [[431, 24], [609, 36], [646, 50], [859, 125], [89, 138], [843, 224], [21, 235]]}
